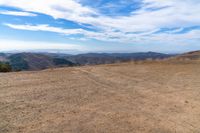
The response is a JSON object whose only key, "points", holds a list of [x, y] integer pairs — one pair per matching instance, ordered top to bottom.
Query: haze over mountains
{"points": [[39, 61]]}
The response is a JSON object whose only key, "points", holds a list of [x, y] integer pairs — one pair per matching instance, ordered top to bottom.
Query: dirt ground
{"points": [[119, 98]]}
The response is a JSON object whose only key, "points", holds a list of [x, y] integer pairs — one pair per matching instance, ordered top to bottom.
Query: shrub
{"points": [[60, 62], [5, 67]]}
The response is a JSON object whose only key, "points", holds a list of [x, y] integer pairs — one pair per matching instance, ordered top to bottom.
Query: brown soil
{"points": [[120, 98]]}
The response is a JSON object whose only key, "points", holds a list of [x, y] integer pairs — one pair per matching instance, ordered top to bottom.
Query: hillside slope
{"points": [[195, 55], [3, 57], [190, 57], [33, 61], [152, 97]]}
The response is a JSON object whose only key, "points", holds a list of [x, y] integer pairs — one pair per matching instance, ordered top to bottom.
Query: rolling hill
{"points": [[195, 55], [3, 57], [189, 57], [106, 58], [33, 61], [39, 61]]}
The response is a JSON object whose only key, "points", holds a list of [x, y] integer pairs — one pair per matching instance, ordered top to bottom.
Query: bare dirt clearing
{"points": [[119, 98]]}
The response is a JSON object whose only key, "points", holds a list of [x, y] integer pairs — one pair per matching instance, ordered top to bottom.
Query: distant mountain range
{"points": [[106, 58], [39, 61]]}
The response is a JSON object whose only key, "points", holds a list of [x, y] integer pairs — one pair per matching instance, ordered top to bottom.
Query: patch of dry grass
{"points": [[120, 98]]}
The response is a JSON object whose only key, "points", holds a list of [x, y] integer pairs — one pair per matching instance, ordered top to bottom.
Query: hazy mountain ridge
{"points": [[3, 57], [107, 58], [36, 61], [39, 61]]}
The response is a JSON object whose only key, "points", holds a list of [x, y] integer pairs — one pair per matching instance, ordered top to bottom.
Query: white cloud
{"points": [[55, 8], [15, 13], [178, 13], [154, 15], [46, 28], [88, 34], [137, 38], [30, 45]]}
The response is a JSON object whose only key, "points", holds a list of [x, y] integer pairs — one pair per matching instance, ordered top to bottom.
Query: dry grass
{"points": [[120, 98]]}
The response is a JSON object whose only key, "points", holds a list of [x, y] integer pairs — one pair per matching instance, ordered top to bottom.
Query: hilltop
{"points": [[194, 55], [189, 57], [145, 97]]}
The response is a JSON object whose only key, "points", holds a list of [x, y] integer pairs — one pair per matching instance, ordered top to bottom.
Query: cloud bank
{"points": [[15, 13], [160, 21]]}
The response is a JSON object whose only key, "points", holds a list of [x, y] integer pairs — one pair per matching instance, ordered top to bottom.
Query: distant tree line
{"points": [[5, 67]]}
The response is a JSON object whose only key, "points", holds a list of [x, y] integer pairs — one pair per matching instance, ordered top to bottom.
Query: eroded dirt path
{"points": [[120, 98]]}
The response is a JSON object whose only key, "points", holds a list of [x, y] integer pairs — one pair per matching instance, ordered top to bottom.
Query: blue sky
{"points": [[168, 26]]}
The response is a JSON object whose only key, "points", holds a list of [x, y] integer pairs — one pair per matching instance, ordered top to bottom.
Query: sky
{"points": [[77, 26]]}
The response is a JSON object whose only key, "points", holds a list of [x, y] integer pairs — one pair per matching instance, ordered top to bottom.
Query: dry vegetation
{"points": [[120, 98]]}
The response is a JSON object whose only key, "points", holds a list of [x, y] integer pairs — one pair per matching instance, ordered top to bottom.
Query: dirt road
{"points": [[119, 98]]}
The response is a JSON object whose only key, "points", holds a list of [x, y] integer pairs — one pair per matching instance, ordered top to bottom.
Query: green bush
{"points": [[5, 67]]}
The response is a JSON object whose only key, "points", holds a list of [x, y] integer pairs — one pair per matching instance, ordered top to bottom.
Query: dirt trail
{"points": [[119, 98]]}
